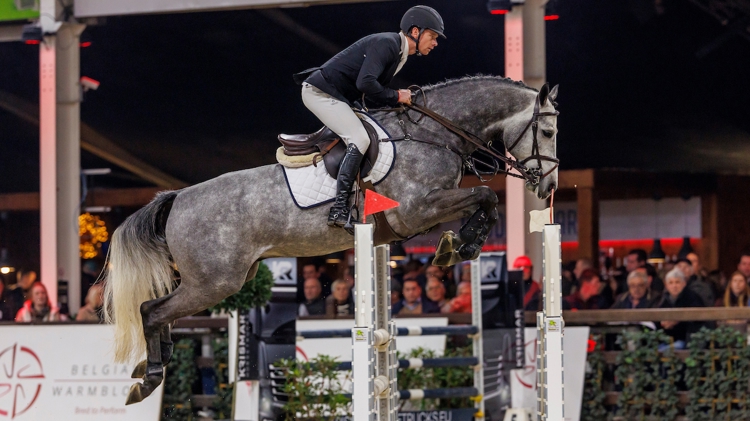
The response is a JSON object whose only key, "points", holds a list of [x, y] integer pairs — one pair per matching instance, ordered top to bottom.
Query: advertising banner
{"points": [[66, 372], [523, 381]]}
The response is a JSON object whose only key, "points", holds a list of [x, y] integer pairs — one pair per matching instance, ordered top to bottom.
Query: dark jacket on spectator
{"points": [[702, 289], [687, 298], [11, 300], [649, 300], [575, 302], [428, 306], [316, 307], [336, 308]]}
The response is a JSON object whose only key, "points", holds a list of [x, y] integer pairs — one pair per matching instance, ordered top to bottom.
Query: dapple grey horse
{"points": [[214, 234]]}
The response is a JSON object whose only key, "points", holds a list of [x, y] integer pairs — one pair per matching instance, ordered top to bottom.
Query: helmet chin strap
{"points": [[416, 40]]}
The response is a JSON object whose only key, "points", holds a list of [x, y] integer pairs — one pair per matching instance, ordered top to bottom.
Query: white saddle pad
{"points": [[312, 186]]}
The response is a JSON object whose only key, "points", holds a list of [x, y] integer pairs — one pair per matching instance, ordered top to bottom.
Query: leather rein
{"points": [[531, 175]]}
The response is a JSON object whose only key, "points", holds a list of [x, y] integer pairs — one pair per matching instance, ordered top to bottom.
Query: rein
{"points": [[531, 175]]}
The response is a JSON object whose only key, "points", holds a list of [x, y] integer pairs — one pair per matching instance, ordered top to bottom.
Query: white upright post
{"points": [[550, 324], [362, 334], [477, 343], [374, 361]]}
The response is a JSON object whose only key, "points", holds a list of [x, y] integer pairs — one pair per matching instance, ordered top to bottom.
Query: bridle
{"points": [[532, 175]]}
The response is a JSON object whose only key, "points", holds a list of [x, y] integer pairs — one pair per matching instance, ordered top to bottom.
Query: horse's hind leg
{"points": [[156, 315], [167, 347]]}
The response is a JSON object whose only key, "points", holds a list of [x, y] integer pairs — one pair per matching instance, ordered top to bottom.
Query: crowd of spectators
{"points": [[682, 283], [416, 289], [27, 300]]}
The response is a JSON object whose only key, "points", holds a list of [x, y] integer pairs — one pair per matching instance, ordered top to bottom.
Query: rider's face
{"points": [[427, 42]]}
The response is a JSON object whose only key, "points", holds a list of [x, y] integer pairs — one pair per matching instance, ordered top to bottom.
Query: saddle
{"points": [[328, 145]]}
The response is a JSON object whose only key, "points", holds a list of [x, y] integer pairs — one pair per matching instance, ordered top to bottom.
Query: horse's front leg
{"points": [[477, 203]]}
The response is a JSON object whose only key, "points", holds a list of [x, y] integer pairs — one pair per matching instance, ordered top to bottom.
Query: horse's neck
{"points": [[481, 106]]}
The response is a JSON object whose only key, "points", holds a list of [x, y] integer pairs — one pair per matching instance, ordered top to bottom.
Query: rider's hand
{"points": [[404, 96]]}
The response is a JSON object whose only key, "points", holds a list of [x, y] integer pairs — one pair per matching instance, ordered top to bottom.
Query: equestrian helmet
{"points": [[423, 17]]}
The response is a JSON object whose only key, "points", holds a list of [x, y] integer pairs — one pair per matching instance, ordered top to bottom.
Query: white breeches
{"points": [[337, 115]]}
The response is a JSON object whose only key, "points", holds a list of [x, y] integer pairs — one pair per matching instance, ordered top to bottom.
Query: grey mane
{"points": [[478, 78]]}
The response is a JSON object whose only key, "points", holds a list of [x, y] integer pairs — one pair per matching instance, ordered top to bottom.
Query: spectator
{"points": [[635, 259], [744, 265], [466, 272], [439, 273], [89, 275], [349, 276], [25, 279], [695, 284], [531, 290], [436, 293], [737, 293], [639, 295], [588, 296], [678, 296], [11, 300], [340, 302], [412, 302], [462, 302], [315, 304], [38, 308], [91, 312]]}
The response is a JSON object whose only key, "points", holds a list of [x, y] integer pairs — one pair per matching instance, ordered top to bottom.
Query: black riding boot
{"points": [[344, 182]]}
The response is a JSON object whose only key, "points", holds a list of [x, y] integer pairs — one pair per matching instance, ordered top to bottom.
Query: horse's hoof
{"points": [[445, 245], [444, 259], [139, 370], [135, 395]]}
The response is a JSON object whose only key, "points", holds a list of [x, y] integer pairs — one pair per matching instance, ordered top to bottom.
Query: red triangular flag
{"points": [[375, 203]]}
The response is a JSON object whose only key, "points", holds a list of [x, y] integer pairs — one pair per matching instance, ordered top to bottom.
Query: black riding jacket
{"points": [[364, 67]]}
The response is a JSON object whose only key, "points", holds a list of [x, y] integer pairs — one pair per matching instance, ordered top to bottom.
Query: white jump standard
{"points": [[550, 324], [374, 363]]}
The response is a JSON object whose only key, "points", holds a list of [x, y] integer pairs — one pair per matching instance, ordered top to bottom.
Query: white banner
{"points": [[66, 372], [523, 381]]}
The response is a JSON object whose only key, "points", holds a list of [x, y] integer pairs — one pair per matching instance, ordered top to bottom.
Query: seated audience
{"points": [[743, 266], [439, 273], [698, 285], [532, 291], [436, 293], [737, 293], [638, 295], [677, 295], [588, 296], [11, 300], [340, 302], [462, 302], [412, 303], [315, 304], [38, 308], [91, 312]]}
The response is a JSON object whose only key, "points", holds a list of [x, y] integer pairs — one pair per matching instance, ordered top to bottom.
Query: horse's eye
{"points": [[547, 133]]}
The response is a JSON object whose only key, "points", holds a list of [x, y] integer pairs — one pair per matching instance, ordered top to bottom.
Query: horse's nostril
{"points": [[551, 187]]}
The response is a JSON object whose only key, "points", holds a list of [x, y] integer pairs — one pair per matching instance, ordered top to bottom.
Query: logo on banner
{"points": [[490, 270], [21, 374]]}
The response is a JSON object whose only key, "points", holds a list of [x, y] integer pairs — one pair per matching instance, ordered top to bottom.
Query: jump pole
{"points": [[550, 324], [374, 363]]}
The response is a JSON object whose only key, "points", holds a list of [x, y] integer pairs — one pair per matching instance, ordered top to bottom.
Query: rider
{"points": [[364, 68]]}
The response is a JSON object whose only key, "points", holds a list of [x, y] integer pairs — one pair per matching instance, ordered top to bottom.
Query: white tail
{"points": [[138, 270]]}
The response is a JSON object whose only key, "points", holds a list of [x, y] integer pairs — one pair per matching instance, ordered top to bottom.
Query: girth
{"points": [[327, 144]]}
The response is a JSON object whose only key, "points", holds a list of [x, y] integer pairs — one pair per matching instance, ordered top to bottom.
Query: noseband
{"points": [[532, 175]]}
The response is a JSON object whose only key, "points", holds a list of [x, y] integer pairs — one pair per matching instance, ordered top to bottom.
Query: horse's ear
{"points": [[543, 93], [553, 94]]}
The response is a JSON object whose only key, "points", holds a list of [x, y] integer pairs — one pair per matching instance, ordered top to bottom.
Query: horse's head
{"points": [[531, 138]]}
